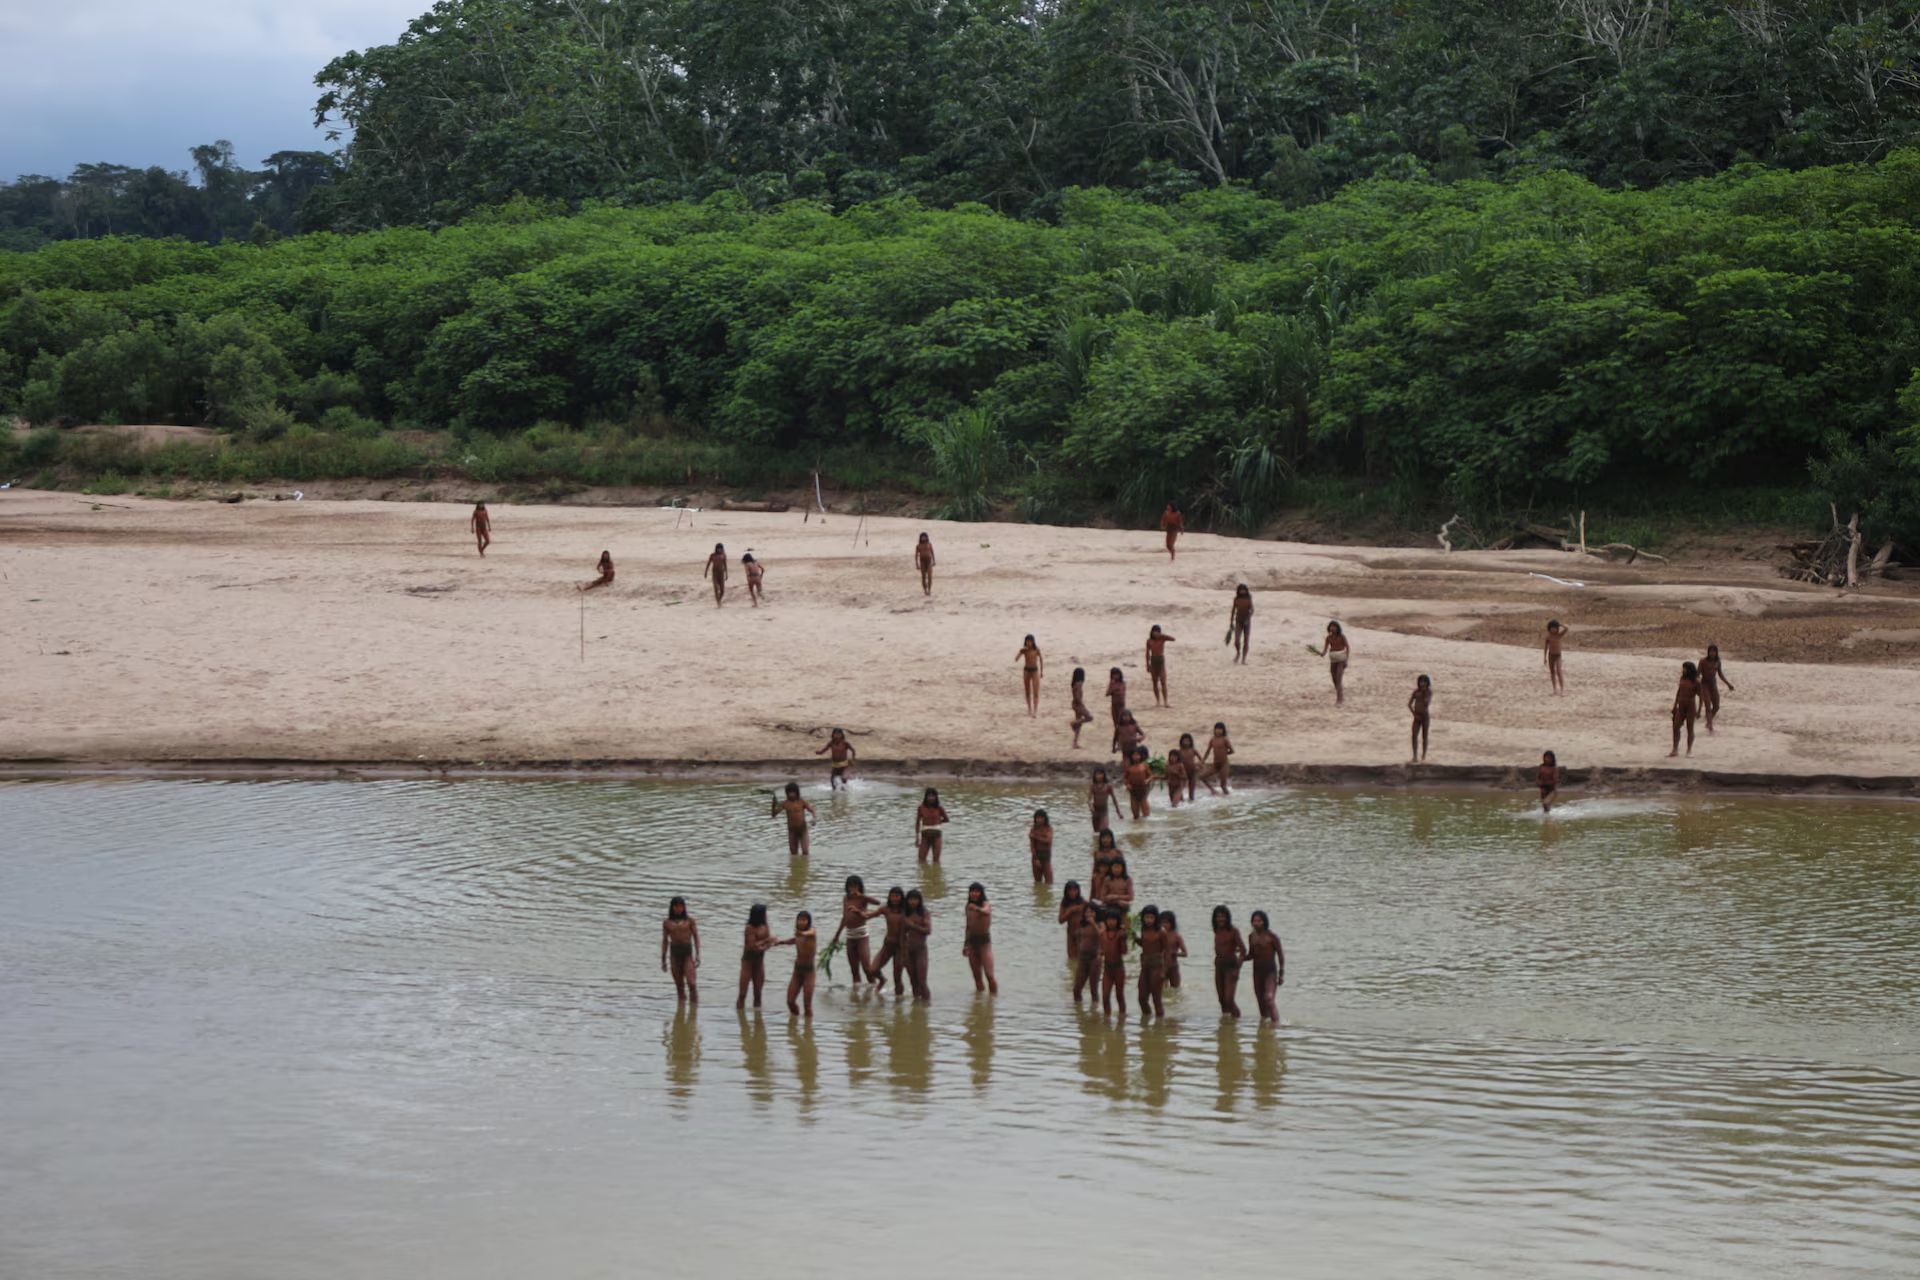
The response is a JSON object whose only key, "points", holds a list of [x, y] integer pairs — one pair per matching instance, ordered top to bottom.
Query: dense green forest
{"points": [[1086, 257]]}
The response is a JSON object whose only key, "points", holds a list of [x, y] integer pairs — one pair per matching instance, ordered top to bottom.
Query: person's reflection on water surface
{"points": [[682, 1044]]}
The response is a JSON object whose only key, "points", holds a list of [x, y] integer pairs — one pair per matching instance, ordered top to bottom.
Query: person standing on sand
{"points": [[1174, 523], [482, 525], [923, 561], [717, 570], [606, 573], [755, 573], [1240, 623], [1556, 634], [1157, 642], [1336, 654], [1032, 666], [1712, 672], [1116, 700], [1421, 704], [1686, 707], [1081, 716], [842, 755], [1176, 778], [1547, 778], [797, 812], [680, 949], [1229, 950], [753, 956], [1269, 966]]}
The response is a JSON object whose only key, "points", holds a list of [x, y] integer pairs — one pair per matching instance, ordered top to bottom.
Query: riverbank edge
{"points": [[1599, 780]]}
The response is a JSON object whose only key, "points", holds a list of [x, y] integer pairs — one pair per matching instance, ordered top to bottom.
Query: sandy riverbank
{"points": [[270, 634]]}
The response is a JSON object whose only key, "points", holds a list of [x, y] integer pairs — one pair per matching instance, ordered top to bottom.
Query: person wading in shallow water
{"points": [[680, 949]]}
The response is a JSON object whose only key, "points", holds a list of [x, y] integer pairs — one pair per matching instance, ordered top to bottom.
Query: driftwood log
{"points": [[1834, 561]]}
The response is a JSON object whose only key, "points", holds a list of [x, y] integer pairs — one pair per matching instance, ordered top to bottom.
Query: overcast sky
{"points": [[137, 82]]}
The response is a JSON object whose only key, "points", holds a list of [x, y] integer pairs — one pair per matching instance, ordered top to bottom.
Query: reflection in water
{"points": [[857, 1034], [979, 1039], [682, 1041], [1155, 1044], [909, 1048], [753, 1055], [1103, 1055], [806, 1061], [1269, 1065], [1230, 1066]]}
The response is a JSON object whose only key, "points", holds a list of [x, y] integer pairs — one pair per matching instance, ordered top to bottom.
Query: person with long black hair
{"points": [[916, 931], [978, 947], [1229, 950], [753, 955]]}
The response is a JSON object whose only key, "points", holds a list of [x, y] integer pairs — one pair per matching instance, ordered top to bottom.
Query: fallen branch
{"points": [[1446, 545]]}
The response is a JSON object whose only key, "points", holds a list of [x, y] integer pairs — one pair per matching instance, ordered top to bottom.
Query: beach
{"points": [[269, 635]]}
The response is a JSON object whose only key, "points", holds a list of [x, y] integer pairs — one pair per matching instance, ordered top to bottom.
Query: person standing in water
{"points": [[1174, 523], [482, 526], [923, 561], [717, 570], [756, 572], [606, 573], [1240, 623], [1556, 635], [1157, 643], [1336, 654], [1032, 666], [1712, 672], [1116, 701], [1421, 705], [1686, 707], [1081, 716], [1128, 736], [1218, 751], [842, 754], [1189, 764], [1176, 778], [1547, 778], [1139, 780], [1099, 798], [797, 812], [927, 821], [1040, 847], [1073, 905], [856, 908], [893, 910], [916, 929], [1086, 934], [806, 946], [1176, 947], [978, 948], [680, 949], [1229, 950], [753, 956], [1113, 959], [1153, 964], [1269, 966]]}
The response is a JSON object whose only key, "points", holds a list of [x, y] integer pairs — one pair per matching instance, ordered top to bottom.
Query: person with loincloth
{"points": [[1174, 524], [482, 525], [923, 561], [717, 570], [606, 573], [1240, 623], [1556, 636], [1157, 642], [1336, 653], [1032, 665], [1712, 672], [1116, 701], [1420, 703], [1686, 707], [1081, 716], [1127, 736], [1219, 749], [840, 754], [1189, 764], [1176, 778], [1547, 778], [1139, 779], [1099, 797], [797, 812], [927, 821], [1040, 847], [1116, 891], [1073, 905], [856, 908], [893, 911], [916, 929], [1086, 934], [806, 947], [978, 947], [1176, 947], [680, 949], [1229, 950], [753, 956], [1113, 960], [1153, 964], [1269, 966]]}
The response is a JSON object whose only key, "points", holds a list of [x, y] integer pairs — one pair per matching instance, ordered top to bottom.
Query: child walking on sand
{"points": [[482, 525], [923, 561], [717, 570], [755, 573], [1240, 623], [1556, 634], [1157, 643], [1336, 653], [1032, 665], [1712, 672], [1116, 700], [1686, 707], [1081, 716], [840, 754], [1139, 780], [1099, 797], [797, 812], [806, 946], [680, 949]]}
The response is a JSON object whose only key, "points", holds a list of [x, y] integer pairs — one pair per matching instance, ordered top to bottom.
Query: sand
{"points": [[205, 635]]}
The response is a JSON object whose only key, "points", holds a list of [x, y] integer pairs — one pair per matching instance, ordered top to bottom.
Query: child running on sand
{"points": [[1174, 523], [482, 525], [923, 561], [717, 570], [606, 573], [755, 573], [1240, 623], [1556, 634], [1157, 643], [1336, 654], [1032, 665], [1712, 672], [1421, 705], [1686, 707], [1081, 716], [1218, 751], [842, 755], [1190, 763], [1176, 778], [1547, 778], [1139, 780], [1099, 797], [797, 812], [927, 821], [1040, 847], [856, 908], [894, 911], [916, 930], [1085, 931], [806, 945], [1176, 947], [978, 948], [680, 949], [1229, 949], [753, 956], [1113, 960], [1153, 963], [1269, 966]]}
